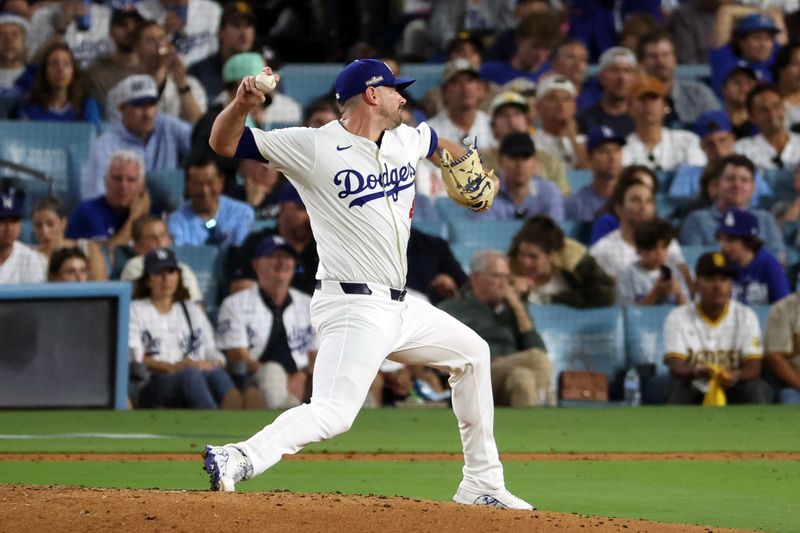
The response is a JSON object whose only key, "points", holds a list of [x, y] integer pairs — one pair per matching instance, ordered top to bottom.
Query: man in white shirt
{"points": [[192, 25], [84, 27], [16, 75], [462, 119], [558, 134], [651, 144], [774, 147], [18, 263]]}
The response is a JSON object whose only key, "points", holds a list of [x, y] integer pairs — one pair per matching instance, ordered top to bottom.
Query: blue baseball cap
{"points": [[756, 22], [362, 73], [712, 122], [601, 135], [12, 198], [738, 223], [272, 244]]}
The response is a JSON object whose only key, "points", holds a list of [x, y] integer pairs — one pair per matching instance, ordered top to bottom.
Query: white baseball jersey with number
{"points": [[245, 322], [168, 337], [729, 341]]}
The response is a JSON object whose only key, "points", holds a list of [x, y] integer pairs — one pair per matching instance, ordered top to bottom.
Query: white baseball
{"points": [[265, 82]]}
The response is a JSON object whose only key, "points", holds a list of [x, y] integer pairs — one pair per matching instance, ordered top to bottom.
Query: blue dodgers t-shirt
{"points": [[724, 59], [95, 219], [761, 282]]}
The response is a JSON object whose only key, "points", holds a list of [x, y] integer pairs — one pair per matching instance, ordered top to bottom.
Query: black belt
{"points": [[362, 288]]}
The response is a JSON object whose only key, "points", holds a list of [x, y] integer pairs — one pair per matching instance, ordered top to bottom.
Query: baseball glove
{"points": [[465, 180]]}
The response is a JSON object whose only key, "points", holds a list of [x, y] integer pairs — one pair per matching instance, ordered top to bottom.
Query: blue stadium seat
{"points": [[578, 178], [166, 188], [449, 210], [258, 225], [437, 228], [468, 236], [205, 261], [762, 311], [644, 335], [582, 339]]}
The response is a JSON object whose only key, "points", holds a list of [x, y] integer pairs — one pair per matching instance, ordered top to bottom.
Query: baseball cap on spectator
{"points": [[122, 11], [233, 12], [11, 18], [756, 22], [465, 37], [617, 55], [238, 66], [457, 66], [743, 67], [362, 73], [555, 83], [648, 85], [523, 86], [138, 89], [508, 99], [712, 122], [600, 135], [517, 144], [290, 194], [12, 199], [738, 223], [272, 244], [159, 260], [713, 263]]}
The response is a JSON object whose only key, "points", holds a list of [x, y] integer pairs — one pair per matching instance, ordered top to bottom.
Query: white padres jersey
{"points": [[677, 147], [359, 197], [614, 254], [24, 265], [245, 322], [782, 332], [167, 337], [729, 341]]}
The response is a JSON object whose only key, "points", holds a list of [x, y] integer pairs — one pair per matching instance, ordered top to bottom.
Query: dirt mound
{"points": [[50, 508]]}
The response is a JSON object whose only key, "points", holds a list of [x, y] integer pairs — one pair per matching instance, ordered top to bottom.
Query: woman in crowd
{"points": [[787, 78], [58, 92], [607, 220], [49, 223], [68, 265], [550, 268], [172, 336]]}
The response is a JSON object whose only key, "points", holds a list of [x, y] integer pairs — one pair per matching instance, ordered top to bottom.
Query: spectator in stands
{"points": [[482, 17], [595, 21], [193, 25], [692, 25], [82, 26], [636, 26], [237, 33], [536, 36], [755, 39], [505, 43], [571, 60], [109, 69], [16, 74], [616, 78], [787, 80], [736, 85], [58, 93], [462, 93], [179, 94], [687, 98], [319, 112], [509, 112], [559, 136], [162, 139], [652, 144], [774, 147], [605, 160], [258, 186], [735, 190], [522, 192], [632, 202], [788, 209], [208, 216], [109, 217], [606, 219], [49, 220], [293, 225], [148, 233], [18, 262], [68, 265], [549, 268], [433, 271], [759, 278], [650, 280], [265, 331], [716, 335], [172, 336], [781, 348], [521, 370]]}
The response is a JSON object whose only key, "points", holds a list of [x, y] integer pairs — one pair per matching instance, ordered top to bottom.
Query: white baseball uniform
{"points": [[359, 196], [732, 339]]}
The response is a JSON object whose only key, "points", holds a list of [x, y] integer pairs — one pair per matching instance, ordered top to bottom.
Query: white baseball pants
{"points": [[357, 332]]}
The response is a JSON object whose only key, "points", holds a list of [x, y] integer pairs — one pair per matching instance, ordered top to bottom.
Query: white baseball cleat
{"points": [[226, 465], [499, 498]]}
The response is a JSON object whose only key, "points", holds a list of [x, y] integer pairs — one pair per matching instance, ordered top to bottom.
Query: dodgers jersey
{"points": [[359, 195], [244, 321], [730, 340]]}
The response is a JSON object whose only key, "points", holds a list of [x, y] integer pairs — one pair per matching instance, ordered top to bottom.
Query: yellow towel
{"points": [[716, 394]]}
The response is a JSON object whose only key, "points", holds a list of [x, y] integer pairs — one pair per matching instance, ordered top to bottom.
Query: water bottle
{"points": [[84, 22], [632, 386]]}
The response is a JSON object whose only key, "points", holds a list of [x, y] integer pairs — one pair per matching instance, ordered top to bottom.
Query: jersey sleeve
{"points": [[428, 140], [289, 150], [231, 330], [749, 331], [778, 334], [674, 341], [135, 347]]}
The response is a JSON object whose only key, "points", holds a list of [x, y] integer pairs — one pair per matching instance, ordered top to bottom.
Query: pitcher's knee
{"points": [[331, 419]]}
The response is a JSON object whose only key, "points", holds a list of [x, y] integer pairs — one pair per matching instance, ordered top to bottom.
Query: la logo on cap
{"points": [[607, 131], [8, 201], [730, 220], [161, 254]]}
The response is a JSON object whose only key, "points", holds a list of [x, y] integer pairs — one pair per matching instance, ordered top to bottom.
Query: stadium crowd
{"points": [[613, 165]]}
